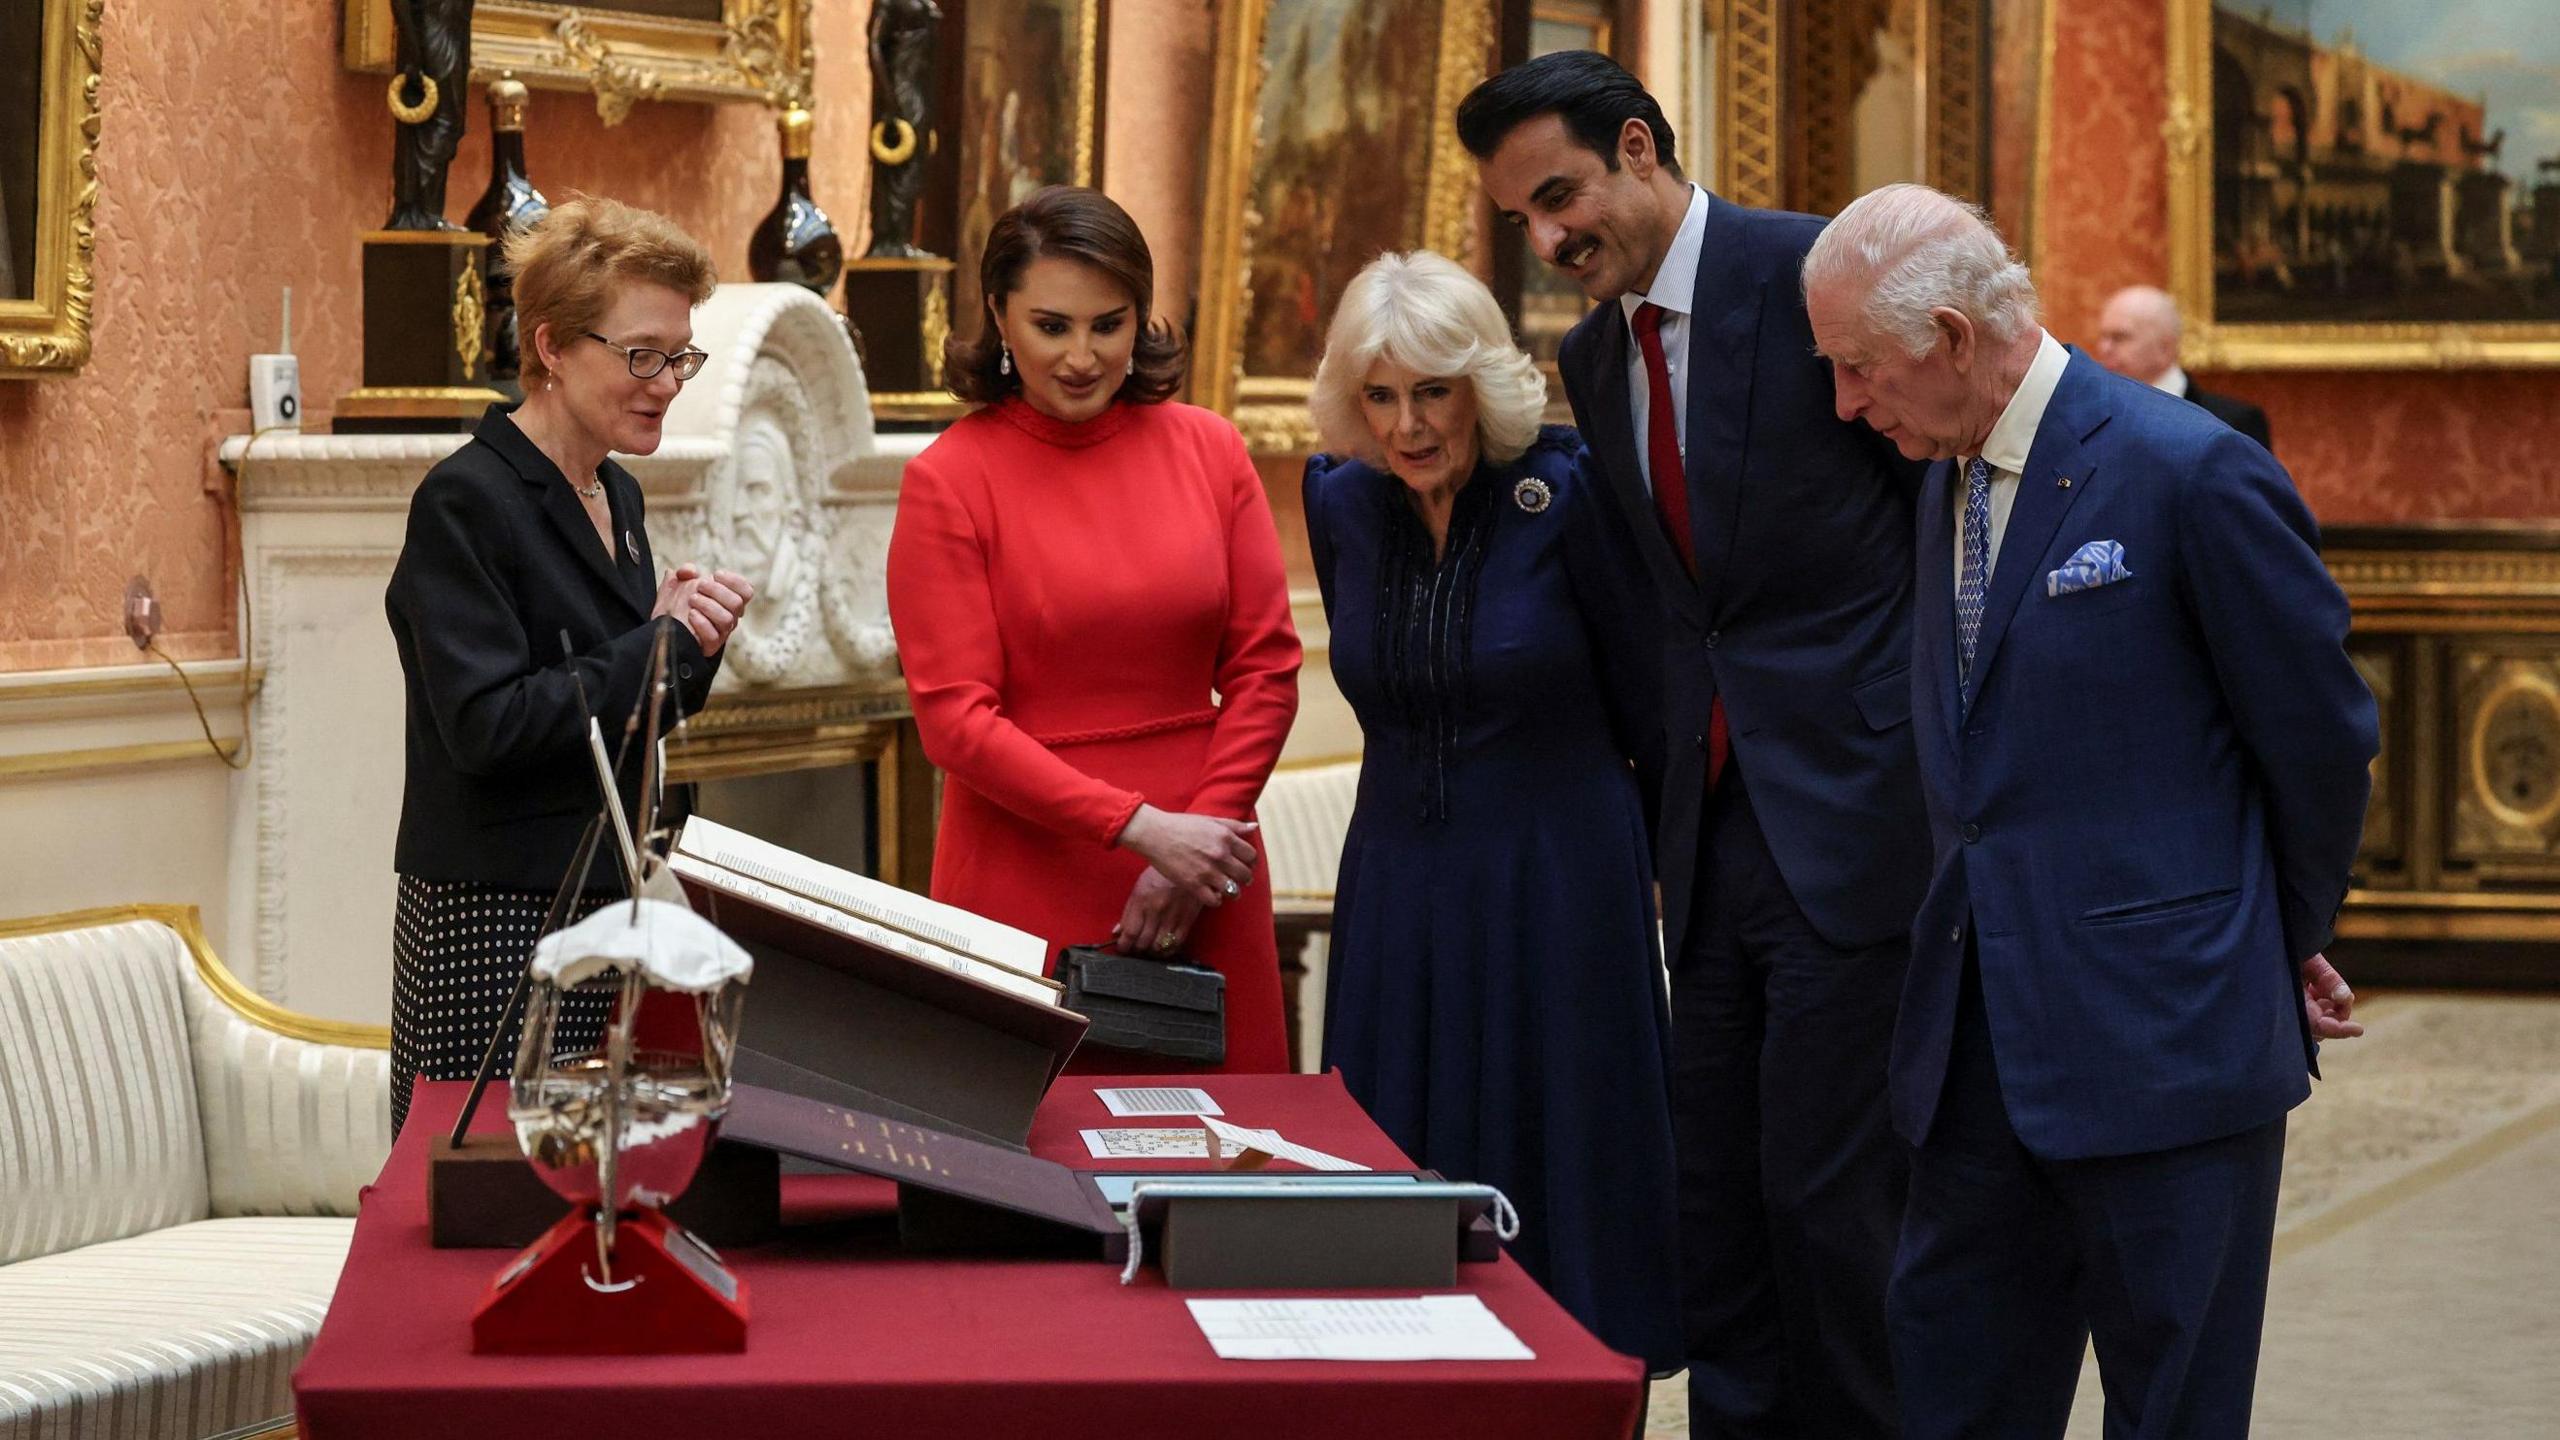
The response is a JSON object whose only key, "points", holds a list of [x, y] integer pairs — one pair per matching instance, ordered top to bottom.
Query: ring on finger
{"points": [[1232, 889], [1167, 940]]}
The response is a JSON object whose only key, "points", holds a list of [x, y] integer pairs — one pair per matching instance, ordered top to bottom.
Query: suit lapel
{"points": [[1724, 339], [1613, 438], [2058, 473], [568, 518], [637, 574]]}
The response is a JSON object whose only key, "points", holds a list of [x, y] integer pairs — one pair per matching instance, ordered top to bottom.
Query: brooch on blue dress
{"points": [[1532, 495]]}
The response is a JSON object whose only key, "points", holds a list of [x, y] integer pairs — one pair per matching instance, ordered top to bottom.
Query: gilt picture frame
{"points": [[624, 51], [1330, 145], [2367, 186], [49, 190]]}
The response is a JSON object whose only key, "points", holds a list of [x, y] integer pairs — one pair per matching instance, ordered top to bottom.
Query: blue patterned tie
{"points": [[1977, 569]]}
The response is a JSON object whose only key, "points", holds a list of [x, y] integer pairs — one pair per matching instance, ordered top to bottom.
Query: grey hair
{"points": [[1919, 250], [1430, 315]]}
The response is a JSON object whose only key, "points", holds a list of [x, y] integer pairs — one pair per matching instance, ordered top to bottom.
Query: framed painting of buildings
{"points": [[1333, 143], [2365, 183]]}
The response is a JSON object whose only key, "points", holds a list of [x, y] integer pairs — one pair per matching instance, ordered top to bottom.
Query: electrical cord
{"points": [[236, 758]]}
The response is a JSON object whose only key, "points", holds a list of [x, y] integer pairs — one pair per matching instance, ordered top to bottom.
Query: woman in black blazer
{"points": [[525, 600]]}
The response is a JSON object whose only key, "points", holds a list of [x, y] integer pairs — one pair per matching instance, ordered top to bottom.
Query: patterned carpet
{"points": [[2416, 1291]]}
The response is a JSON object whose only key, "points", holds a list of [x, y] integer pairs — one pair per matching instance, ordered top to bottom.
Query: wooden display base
{"points": [[483, 1195]]}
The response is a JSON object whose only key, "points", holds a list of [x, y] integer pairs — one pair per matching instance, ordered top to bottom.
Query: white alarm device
{"points": [[275, 382]]}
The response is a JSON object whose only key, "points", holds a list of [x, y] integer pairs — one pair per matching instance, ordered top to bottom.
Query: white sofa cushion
{"points": [[291, 1127], [99, 1131], [184, 1332]]}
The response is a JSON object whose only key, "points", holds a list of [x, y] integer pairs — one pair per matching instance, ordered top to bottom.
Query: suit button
{"points": [[1713, 636], [684, 672], [1702, 744], [1971, 833], [1955, 935]]}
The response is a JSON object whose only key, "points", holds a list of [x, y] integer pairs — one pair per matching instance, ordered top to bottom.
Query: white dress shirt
{"points": [[1675, 288], [2173, 380], [2011, 438]]}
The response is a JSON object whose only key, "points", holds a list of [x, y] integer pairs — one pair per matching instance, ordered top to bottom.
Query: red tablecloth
{"points": [[849, 1337]]}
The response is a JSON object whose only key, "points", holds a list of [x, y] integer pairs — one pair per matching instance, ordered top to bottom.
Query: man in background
{"points": [[2138, 339]]}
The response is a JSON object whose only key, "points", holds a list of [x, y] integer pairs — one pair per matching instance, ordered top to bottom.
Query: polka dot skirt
{"points": [[456, 951]]}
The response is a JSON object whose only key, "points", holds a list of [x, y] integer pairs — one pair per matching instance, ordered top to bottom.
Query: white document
{"points": [[1159, 1100], [1232, 1138], [1127, 1144], [1193, 1144], [1427, 1327]]}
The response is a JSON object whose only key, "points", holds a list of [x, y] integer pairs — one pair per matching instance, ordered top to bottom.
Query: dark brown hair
{"points": [[1072, 223]]}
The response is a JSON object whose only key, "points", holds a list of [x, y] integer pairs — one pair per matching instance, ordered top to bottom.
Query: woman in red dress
{"points": [[1091, 610]]}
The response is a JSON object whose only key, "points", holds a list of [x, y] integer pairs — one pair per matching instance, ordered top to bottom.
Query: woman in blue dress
{"points": [[1494, 996]]}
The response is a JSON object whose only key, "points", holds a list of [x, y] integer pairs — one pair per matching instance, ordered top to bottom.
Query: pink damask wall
{"points": [[237, 156], [2364, 446]]}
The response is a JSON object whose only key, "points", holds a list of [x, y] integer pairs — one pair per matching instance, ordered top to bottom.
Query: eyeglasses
{"points": [[646, 363]]}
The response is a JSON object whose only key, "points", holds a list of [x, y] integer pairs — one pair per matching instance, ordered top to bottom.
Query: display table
{"points": [[850, 1337]]}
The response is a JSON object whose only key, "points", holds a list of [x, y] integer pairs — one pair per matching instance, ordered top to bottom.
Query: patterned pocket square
{"points": [[2100, 562]]}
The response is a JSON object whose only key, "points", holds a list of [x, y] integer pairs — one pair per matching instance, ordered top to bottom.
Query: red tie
{"points": [[1671, 487]]}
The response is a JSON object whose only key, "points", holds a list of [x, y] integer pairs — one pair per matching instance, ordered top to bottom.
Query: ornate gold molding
{"points": [[1750, 48], [759, 50], [1955, 51], [1088, 92], [48, 335], [248, 1004]]}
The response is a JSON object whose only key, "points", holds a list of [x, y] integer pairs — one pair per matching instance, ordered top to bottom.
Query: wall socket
{"points": [[141, 613]]}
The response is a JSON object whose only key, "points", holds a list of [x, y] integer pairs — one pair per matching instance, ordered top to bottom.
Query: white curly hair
{"points": [[1919, 250], [1430, 315]]}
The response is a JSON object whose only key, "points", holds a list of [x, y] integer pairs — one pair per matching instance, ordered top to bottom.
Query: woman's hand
{"points": [[675, 602], [719, 602], [1207, 858], [1157, 918]]}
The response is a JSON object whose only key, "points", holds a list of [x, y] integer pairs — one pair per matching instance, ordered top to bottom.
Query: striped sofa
{"points": [[178, 1164]]}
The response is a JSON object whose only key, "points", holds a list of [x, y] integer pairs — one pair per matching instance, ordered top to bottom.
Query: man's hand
{"points": [[2328, 1001]]}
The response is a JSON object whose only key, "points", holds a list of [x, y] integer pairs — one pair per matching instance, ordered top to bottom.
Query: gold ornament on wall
{"points": [[897, 151], [470, 317], [937, 334]]}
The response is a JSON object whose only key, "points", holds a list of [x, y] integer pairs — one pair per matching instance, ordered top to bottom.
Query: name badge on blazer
{"points": [[2100, 562]]}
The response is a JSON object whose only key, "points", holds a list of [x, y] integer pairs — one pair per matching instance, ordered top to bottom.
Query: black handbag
{"points": [[1151, 1007]]}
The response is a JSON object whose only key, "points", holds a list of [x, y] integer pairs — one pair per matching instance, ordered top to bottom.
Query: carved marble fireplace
{"points": [[771, 467]]}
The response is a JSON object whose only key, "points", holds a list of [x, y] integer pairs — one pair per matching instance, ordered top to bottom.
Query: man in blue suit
{"points": [[2145, 753], [1792, 845]]}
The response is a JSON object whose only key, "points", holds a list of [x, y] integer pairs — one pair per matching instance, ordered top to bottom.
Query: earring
{"points": [[1005, 365], [1133, 367], [550, 383]]}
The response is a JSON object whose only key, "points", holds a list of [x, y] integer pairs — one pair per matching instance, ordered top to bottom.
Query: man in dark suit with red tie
{"points": [[1793, 845]]}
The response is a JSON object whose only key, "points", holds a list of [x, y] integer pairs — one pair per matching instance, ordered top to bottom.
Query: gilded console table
{"points": [[2457, 629]]}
